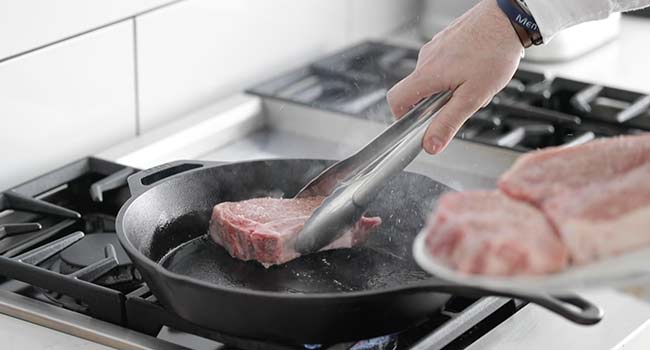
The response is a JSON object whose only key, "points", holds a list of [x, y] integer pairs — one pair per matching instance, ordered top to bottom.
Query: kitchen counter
{"points": [[622, 63], [536, 328], [19, 334]]}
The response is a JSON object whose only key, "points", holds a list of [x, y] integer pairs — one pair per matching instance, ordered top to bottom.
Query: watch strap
{"points": [[522, 22]]}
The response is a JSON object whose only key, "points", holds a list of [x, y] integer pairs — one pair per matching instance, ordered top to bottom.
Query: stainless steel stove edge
{"points": [[465, 156], [463, 165], [461, 323], [78, 325], [534, 327]]}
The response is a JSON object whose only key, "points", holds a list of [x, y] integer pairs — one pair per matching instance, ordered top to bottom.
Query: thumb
{"points": [[409, 91], [451, 117]]}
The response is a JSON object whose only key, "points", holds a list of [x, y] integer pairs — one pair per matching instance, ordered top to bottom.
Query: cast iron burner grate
{"points": [[531, 112], [43, 217], [89, 250]]}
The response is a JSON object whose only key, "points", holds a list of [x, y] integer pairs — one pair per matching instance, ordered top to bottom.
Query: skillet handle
{"points": [[145, 179], [570, 306]]}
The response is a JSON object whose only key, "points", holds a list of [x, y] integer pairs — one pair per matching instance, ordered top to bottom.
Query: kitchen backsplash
{"points": [[30, 24], [74, 85], [66, 101]]}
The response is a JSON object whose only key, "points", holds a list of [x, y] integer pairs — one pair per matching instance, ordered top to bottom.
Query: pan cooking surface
{"points": [[383, 261], [357, 269]]}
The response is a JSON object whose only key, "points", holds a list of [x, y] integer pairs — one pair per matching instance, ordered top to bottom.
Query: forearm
{"points": [[554, 15]]}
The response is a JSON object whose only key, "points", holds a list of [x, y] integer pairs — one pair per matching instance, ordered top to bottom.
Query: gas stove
{"points": [[532, 112], [60, 248], [62, 267]]}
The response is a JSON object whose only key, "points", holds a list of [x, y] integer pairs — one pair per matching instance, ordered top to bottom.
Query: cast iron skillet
{"points": [[329, 297]]}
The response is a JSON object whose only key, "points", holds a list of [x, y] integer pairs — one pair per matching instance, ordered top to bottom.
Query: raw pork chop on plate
{"points": [[547, 173], [597, 195], [562, 218], [604, 218], [265, 229], [485, 232]]}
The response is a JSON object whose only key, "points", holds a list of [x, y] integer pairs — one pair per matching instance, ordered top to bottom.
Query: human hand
{"points": [[475, 57]]}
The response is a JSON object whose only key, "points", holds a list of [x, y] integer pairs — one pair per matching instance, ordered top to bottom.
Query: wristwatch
{"points": [[522, 21]]}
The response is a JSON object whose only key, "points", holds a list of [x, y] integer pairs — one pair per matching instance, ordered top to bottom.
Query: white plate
{"points": [[617, 271]]}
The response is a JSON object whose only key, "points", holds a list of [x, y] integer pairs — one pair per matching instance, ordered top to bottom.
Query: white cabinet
{"points": [[375, 18], [28, 24], [194, 52], [66, 101]]}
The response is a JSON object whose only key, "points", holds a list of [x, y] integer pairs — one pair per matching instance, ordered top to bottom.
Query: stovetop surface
{"points": [[532, 112], [58, 243], [60, 248]]}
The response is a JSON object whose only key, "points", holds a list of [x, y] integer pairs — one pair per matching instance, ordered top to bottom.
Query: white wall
{"points": [[374, 18], [29, 24], [196, 51], [73, 81], [66, 101]]}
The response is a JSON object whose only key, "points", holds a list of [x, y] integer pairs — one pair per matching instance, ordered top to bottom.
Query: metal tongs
{"points": [[353, 183]]}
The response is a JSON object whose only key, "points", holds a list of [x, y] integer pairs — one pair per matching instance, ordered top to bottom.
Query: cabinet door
{"points": [[29, 24], [193, 52], [66, 101]]}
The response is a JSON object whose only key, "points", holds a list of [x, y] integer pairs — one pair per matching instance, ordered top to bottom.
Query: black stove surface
{"points": [[531, 112], [58, 245]]}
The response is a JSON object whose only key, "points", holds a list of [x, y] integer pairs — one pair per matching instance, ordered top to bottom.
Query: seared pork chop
{"points": [[265, 229]]}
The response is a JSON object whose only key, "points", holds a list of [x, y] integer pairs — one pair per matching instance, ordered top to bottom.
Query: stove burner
{"points": [[59, 203], [97, 223], [90, 250], [90, 273], [64, 301], [387, 342]]}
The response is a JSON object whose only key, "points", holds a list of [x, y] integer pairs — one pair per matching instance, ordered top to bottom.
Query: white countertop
{"points": [[623, 63], [533, 327], [19, 334]]}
